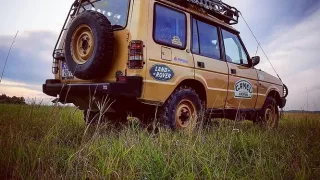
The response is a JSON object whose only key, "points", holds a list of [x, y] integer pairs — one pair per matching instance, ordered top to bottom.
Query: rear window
{"points": [[115, 11], [170, 27]]}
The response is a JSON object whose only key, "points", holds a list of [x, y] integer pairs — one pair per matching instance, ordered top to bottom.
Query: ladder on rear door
{"points": [[58, 52]]}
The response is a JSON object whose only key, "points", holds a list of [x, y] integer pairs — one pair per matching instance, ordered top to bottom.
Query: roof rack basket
{"points": [[216, 8]]}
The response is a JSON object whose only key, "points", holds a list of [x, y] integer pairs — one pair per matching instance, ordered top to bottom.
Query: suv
{"points": [[173, 59]]}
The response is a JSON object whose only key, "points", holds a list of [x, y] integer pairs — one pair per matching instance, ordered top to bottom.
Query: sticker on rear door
{"points": [[161, 72], [243, 89]]}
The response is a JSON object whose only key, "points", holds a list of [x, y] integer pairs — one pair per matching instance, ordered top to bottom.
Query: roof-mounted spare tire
{"points": [[89, 45]]}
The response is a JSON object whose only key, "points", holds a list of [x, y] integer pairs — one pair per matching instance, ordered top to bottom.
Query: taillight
{"points": [[135, 55]]}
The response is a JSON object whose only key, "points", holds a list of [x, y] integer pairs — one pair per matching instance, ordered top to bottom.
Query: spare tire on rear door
{"points": [[89, 45]]}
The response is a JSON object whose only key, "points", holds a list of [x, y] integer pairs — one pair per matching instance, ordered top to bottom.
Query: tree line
{"points": [[4, 99]]}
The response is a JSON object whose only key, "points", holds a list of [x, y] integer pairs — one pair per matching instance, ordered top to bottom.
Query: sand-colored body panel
{"points": [[178, 60], [242, 73], [216, 77], [267, 83]]}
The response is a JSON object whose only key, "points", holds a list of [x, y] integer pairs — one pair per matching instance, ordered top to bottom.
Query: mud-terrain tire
{"points": [[89, 45], [181, 109], [268, 117]]}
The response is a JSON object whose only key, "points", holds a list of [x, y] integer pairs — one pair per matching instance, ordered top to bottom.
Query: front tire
{"points": [[181, 110], [269, 114]]}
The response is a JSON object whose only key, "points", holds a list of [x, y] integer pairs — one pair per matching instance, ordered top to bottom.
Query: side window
{"points": [[170, 27], [205, 40], [234, 49]]}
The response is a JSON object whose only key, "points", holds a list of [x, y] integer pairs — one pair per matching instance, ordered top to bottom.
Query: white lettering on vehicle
{"points": [[161, 73], [243, 89]]}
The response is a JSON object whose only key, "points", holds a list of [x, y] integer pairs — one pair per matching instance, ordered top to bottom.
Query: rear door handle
{"points": [[201, 64], [233, 71]]}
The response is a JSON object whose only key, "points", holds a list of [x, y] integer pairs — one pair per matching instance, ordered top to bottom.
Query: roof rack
{"points": [[216, 8]]}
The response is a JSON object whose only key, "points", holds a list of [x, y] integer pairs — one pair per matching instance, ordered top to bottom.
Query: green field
{"points": [[53, 143]]}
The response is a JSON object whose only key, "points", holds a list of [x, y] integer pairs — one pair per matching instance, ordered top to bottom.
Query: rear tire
{"points": [[181, 109], [269, 117]]}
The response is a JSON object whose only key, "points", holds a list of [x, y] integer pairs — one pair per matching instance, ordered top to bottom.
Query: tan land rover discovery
{"points": [[177, 58]]}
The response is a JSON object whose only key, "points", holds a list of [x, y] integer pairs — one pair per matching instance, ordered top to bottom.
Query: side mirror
{"points": [[255, 60]]}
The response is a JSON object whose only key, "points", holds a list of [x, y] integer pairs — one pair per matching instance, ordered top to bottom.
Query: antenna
{"points": [[14, 40], [259, 45]]}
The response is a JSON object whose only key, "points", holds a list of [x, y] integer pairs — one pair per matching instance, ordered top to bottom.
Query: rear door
{"points": [[168, 51], [210, 68], [243, 78]]}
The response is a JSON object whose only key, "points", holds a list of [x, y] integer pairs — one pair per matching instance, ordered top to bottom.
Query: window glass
{"points": [[115, 11], [170, 27], [195, 40], [209, 40], [233, 48]]}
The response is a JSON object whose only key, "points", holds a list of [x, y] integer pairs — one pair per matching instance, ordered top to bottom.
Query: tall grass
{"points": [[52, 143]]}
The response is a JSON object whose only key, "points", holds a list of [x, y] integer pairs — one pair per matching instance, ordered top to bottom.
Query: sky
{"points": [[288, 30]]}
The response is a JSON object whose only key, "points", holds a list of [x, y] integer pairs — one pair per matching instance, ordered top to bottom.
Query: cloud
{"points": [[33, 15], [268, 17], [289, 33], [294, 52], [30, 58], [29, 64], [8, 83], [32, 93]]}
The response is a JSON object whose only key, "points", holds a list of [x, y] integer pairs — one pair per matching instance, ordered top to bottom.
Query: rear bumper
{"points": [[132, 87], [283, 102]]}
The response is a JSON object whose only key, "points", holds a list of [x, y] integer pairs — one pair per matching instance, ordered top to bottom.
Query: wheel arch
{"points": [[197, 86], [276, 95]]}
